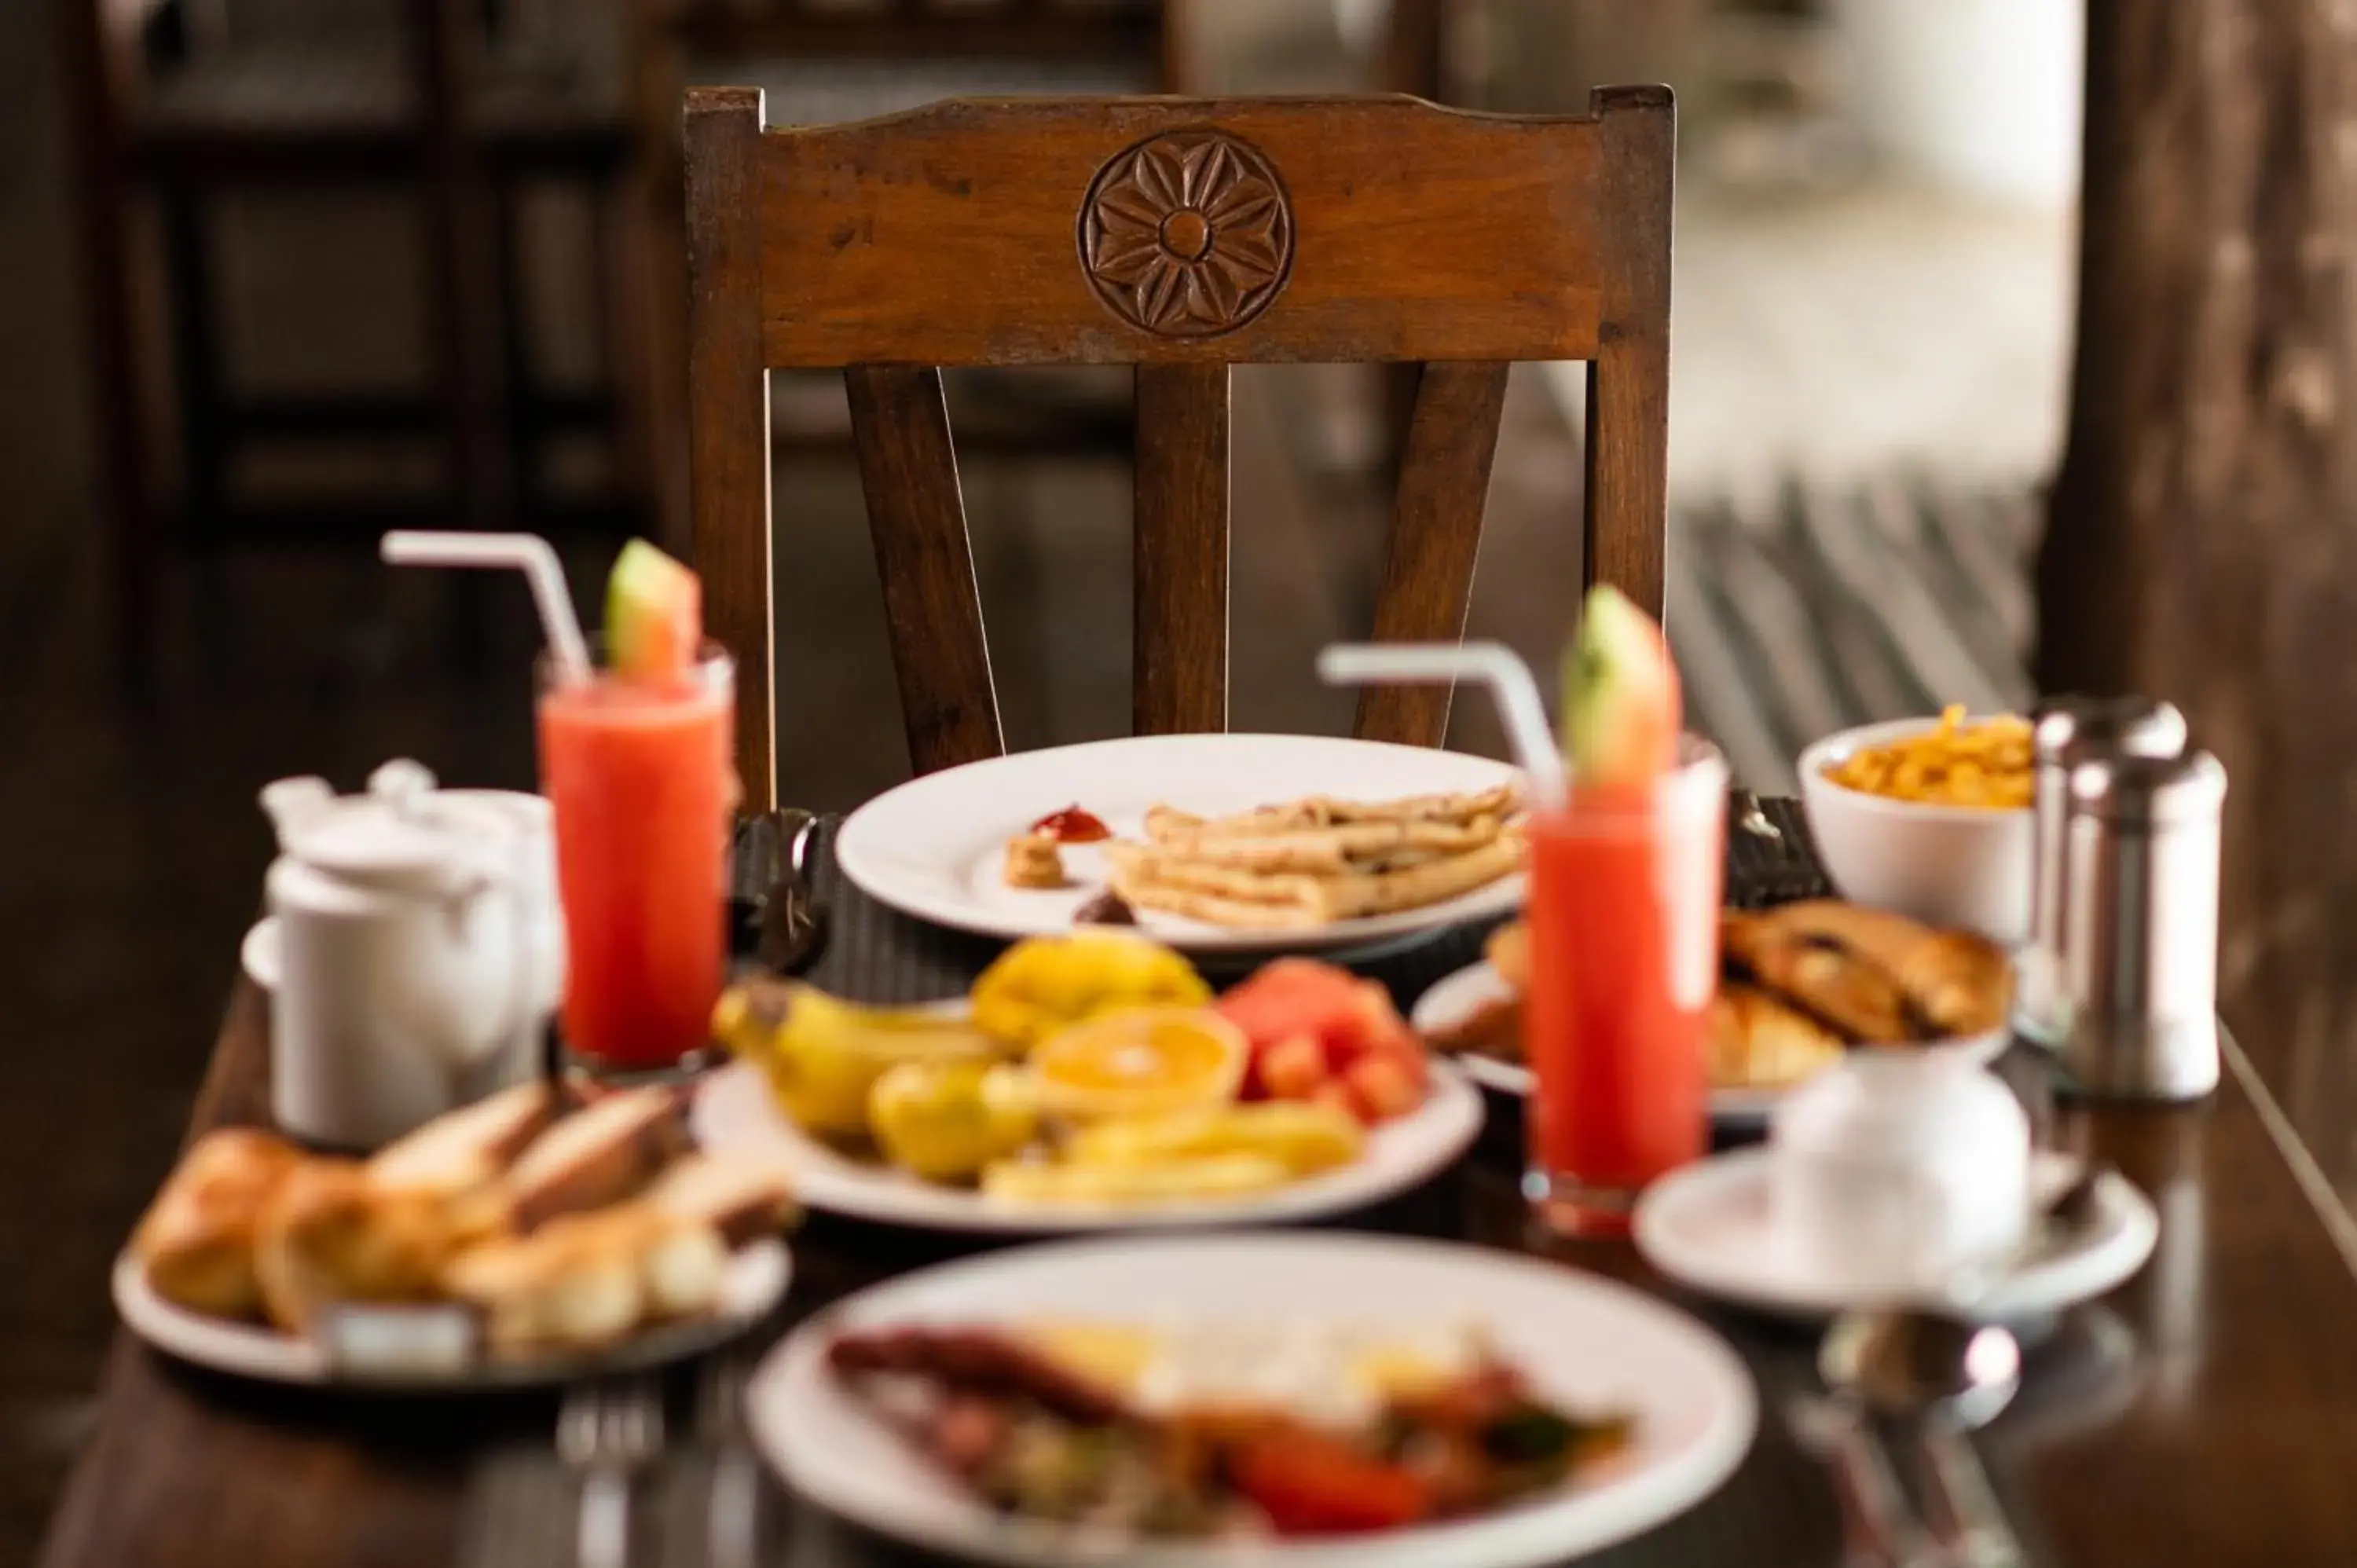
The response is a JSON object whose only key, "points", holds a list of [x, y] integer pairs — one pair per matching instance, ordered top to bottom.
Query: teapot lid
{"points": [[402, 832]]}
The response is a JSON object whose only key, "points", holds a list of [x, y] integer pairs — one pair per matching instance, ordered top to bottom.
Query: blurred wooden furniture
{"points": [[1122, 34], [823, 61], [176, 107], [1177, 237]]}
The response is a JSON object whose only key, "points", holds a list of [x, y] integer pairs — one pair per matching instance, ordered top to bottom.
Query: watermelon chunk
{"points": [[654, 614], [1622, 711], [1320, 1033]]}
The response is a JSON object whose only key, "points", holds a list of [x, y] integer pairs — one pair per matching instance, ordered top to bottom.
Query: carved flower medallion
{"points": [[1187, 234]]}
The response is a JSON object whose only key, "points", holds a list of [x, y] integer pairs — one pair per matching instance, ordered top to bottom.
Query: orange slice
{"points": [[1140, 1061]]}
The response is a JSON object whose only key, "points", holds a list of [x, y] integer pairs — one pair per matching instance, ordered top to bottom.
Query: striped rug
{"points": [[1822, 608]]}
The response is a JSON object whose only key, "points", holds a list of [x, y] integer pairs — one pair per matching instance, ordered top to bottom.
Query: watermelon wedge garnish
{"points": [[654, 615], [1622, 712]]}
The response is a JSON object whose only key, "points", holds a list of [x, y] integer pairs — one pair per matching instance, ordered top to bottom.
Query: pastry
{"points": [[1033, 861], [1509, 953], [1953, 982], [1857, 997], [1494, 1028], [1758, 1042], [457, 1153], [595, 1156], [741, 1199], [329, 1235], [197, 1239], [584, 1280]]}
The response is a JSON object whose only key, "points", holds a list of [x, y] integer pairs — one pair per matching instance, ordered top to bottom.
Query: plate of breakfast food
{"points": [[1210, 843], [1799, 984], [1089, 1080], [524, 1238], [1302, 1399]]}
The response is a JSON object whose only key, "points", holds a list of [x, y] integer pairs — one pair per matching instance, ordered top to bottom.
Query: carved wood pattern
{"points": [[1187, 234]]}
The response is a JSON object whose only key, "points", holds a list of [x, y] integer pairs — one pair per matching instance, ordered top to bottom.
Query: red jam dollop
{"points": [[1072, 825]]}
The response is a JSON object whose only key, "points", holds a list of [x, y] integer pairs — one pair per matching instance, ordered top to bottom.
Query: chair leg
{"points": [[505, 217], [119, 407], [205, 426]]}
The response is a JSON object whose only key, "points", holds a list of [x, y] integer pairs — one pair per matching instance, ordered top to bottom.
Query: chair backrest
{"points": [[1180, 236]]}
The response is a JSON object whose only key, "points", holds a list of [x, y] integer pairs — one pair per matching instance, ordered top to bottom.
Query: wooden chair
{"points": [[437, 103], [1181, 237]]}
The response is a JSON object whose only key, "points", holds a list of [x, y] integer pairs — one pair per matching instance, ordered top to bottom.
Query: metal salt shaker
{"points": [[2072, 730], [2140, 902]]}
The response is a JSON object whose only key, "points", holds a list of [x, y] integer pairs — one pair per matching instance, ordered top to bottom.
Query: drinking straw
{"points": [[526, 552], [1491, 665]]}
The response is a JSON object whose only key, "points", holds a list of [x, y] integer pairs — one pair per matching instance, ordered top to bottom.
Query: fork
{"points": [[608, 1431], [733, 1519]]}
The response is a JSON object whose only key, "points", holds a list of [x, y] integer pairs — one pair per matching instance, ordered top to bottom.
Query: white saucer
{"points": [[259, 954], [1707, 1228]]}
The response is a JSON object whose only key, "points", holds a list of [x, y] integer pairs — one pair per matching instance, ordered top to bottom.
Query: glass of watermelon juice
{"points": [[636, 760], [1623, 915]]}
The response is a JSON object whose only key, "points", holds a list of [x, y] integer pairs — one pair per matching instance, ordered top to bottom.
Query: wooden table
{"points": [[2229, 1435]]}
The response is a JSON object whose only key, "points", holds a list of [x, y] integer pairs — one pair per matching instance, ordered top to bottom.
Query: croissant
{"points": [[1954, 981], [1857, 997], [1758, 1042], [329, 1234], [196, 1240]]}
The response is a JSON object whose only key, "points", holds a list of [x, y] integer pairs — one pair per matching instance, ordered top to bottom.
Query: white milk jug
{"points": [[421, 950]]}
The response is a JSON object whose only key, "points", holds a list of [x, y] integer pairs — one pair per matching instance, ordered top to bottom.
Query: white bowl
{"points": [[1945, 865]]}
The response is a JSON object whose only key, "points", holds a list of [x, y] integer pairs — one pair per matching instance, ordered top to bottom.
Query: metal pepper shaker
{"points": [[2069, 731], [2140, 944]]}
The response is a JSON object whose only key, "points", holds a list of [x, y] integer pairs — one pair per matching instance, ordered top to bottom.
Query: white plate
{"points": [[933, 847], [260, 955], [1452, 1000], [734, 1111], [1708, 1227], [756, 1281], [1584, 1341]]}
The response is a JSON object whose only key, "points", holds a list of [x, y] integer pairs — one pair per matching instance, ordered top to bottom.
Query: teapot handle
{"points": [[490, 878]]}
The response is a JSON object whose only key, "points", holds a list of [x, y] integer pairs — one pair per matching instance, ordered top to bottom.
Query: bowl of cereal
{"points": [[1929, 817]]}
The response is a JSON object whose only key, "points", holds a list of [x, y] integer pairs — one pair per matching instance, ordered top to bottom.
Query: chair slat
{"points": [[1629, 376], [728, 397], [900, 424], [1435, 533], [1179, 678]]}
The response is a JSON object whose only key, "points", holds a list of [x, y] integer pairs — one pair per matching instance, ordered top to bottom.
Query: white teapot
{"points": [[421, 950]]}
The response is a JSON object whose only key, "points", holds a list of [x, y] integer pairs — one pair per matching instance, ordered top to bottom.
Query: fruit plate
{"points": [[933, 847], [1453, 999], [734, 1111], [756, 1280], [1584, 1341]]}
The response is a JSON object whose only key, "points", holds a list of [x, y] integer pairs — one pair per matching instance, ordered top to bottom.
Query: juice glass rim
{"points": [[713, 666], [1700, 773]]}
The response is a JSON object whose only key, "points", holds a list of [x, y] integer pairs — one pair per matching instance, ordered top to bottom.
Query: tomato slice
{"points": [[1308, 1483]]}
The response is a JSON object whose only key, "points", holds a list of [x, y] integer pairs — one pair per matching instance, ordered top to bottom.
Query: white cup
{"points": [[1898, 1174]]}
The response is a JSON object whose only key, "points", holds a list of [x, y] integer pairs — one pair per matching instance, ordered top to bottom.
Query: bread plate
{"points": [[1456, 997], [420, 1346]]}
